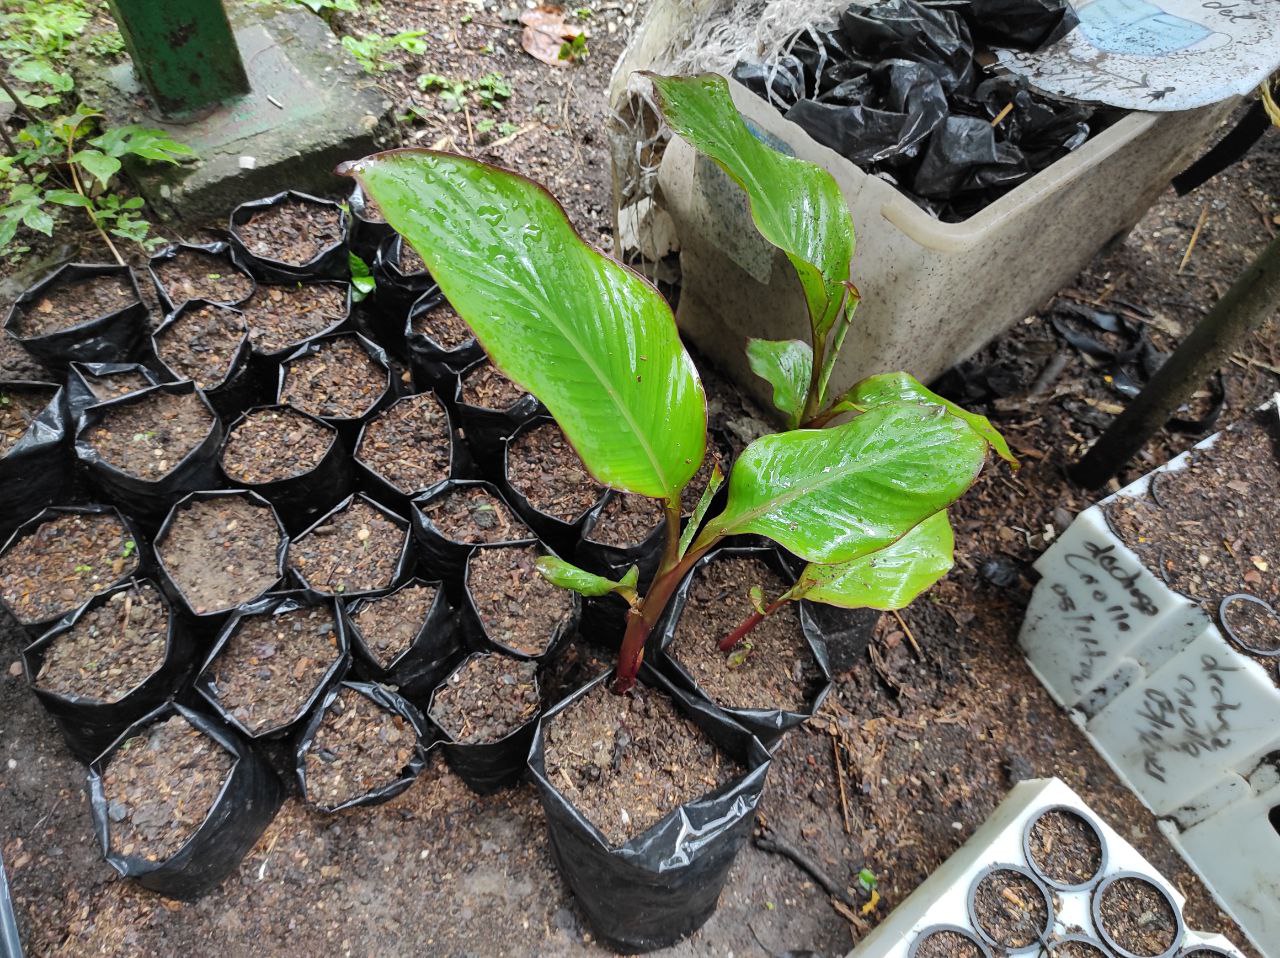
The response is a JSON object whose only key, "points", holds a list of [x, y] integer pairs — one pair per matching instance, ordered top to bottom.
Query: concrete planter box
{"points": [[932, 293]]}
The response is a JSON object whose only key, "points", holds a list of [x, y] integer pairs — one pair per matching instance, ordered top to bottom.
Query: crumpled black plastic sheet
{"points": [[896, 87]]}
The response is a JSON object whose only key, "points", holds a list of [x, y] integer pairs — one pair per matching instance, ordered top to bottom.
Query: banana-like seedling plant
{"points": [[598, 346]]}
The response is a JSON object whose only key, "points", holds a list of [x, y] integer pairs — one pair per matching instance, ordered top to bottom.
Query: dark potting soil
{"points": [[292, 232], [410, 262], [195, 274], [69, 304], [283, 316], [443, 326], [201, 344], [18, 365], [337, 381], [115, 385], [487, 388], [18, 410], [148, 438], [274, 443], [409, 444], [546, 470], [472, 514], [626, 520], [1201, 529], [356, 550], [221, 552], [64, 563], [518, 607], [389, 624], [111, 650], [272, 664], [778, 671], [486, 699], [359, 747], [625, 761], [160, 786], [1065, 847], [1008, 906], [1138, 917], [947, 944], [1082, 949]]}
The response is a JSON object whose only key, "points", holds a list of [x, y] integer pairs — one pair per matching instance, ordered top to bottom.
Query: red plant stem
{"points": [[640, 621], [749, 623]]}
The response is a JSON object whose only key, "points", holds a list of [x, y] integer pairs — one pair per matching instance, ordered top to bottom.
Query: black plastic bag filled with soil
{"points": [[369, 229], [291, 237], [186, 271], [401, 279], [91, 313], [284, 317], [439, 343], [209, 344], [17, 365], [343, 379], [89, 384], [490, 409], [149, 449], [406, 449], [296, 462], [36, 465], [547, 484], [450, 520], [357, 548], [218, 550], [60, 559], [507, 605], [406, 637], [273, 662], [109, 663], [777, 677], [487, 712], [364, 746], [214, 797], [644, 881]]}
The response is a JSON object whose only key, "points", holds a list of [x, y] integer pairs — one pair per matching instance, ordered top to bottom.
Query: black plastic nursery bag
{"points": [[329, 263], [170, 300], [434, 365], [81, 394], [38, 470], [442, 556]]}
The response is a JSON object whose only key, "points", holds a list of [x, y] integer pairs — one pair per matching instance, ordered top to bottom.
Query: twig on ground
{"points": [[1195, 235], [910, 637], [844, 798], [769, 841]]}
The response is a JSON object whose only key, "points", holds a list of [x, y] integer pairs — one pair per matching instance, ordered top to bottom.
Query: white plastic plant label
{"points": [[1158, 55]]}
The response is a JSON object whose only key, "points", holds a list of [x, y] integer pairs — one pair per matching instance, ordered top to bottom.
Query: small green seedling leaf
{"points": [[362, 281], [787, 365], [130, 547], [83, 569], [566, 575], [756, 595], [738, 657], [867, 879]]}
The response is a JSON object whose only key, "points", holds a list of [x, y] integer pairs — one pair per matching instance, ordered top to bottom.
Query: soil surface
{"points": [[292, 232], [409, 262], [196, 274], [69, 304], [280, 317], [443, 326], [201, 344], [18, 365], [337, 380], [115, 385], [486, 388], [19, 408], [151, 436], [275, 443], [409, 444], [546, 470], [472, 514], [626, 520], [355, 550], [222, 552], [67, 560], [519, 609], [389, 624], [111, 650], [272, 665], [778, 671], [486, 699], [359, 748], [626, 761], [160, 786], [1065, 847], [1008, 906], [1138, 917], [948, 944], [1082, 949]]}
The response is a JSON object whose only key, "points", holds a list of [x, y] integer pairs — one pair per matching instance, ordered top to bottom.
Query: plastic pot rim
{"points": [[278, 199], [220, 248], [333, 329], [372, 349], [238, 357], [378, 413], [240, 483], [446, 486], [574, 525], [402, 563], [358, 603], [447, 736], [1092, 823], [1045, 894], [1095, 912], [965, 933]]}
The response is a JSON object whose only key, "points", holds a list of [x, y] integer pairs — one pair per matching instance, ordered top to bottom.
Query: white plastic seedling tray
{"points": [[942, 902]]}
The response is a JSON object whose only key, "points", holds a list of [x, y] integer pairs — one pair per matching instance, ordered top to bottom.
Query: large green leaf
{"points": [[796, 205], [590, 338], [786, 365], [903, 387], [833, 495], [887, 579]]}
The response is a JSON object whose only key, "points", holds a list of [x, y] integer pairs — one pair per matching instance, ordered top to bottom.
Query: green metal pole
{"points": [[184, 52]]}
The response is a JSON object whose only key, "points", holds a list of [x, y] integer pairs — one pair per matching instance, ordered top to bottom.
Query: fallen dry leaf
{"points": [[545, 32]]}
